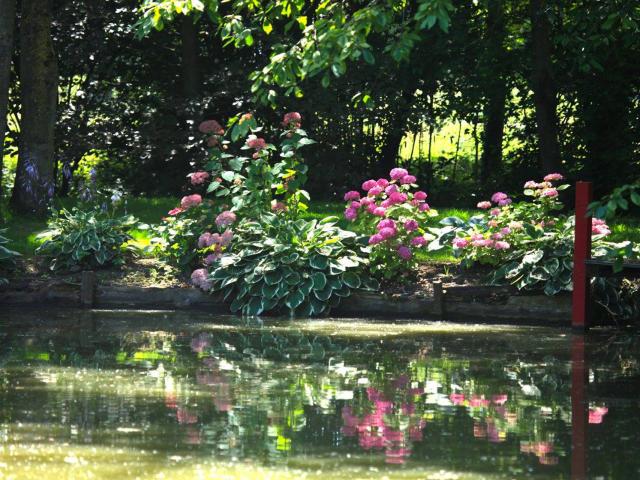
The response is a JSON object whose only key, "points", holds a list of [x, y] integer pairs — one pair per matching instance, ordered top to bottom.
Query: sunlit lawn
{"points": [[23, 230]]}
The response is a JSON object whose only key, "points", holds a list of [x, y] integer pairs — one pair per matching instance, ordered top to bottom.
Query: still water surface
{"points": [[107, 395]]}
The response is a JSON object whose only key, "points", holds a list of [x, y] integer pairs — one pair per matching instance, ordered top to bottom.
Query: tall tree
{"points": [[7, 25], [544, 87], [496, 91], [39, 96]]}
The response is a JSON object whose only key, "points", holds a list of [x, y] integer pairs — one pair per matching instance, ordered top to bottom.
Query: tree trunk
{"points": [[7, 26], [190, 60], [544, 88], [496, 91], [39, 95]]}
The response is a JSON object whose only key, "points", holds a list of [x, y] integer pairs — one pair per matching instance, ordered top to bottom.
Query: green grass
{"points": [[22, 230]]}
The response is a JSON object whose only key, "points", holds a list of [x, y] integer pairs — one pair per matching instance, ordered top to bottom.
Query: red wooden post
{"points": [[581, 252], [579, 409]]}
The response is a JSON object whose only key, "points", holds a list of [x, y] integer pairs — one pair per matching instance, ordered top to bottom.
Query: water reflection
{"points": [[181, 396]]}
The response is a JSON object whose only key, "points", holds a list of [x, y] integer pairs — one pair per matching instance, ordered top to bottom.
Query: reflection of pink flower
{"points": [[200, 342], [457, 398], [500, 399], [477, 401], [597, 414], [185, 417]]}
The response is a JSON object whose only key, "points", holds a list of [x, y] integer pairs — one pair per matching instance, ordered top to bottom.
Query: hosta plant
{"points": [[395, 215], [91, 238], [7, 256], [277, 265]]}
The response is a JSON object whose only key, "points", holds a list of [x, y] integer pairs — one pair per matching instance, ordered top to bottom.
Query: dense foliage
{"points": [[85, 237]]}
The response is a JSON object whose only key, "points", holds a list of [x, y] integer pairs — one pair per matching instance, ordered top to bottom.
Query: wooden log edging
{"points": [[476, 303]]}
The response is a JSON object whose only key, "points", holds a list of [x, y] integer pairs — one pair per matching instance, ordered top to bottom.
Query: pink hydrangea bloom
{"points": [[293, 119], [211, 126], [256, 143], [398, 173], [553, 177], [198, 178], [408, 179], [382, 182], [531, 184], [368, 185], [391, 189], [376, 190], [550, 192], [351, 195], [420, 195], [398, 197], [496, 197], [190, 201], [366, 201], [504, 202], [386, 203], [355, 205], [484, 205], [277, 206], [372, 207], [424, 207], [176, 211], [380, 211], [495, 212], [351, 214], [225, 218], [386, 223], [492, 223], [410, 225], [515, 225], [599, 227], [505, 231], [387, 233], [497, 236], [226, 238], [375, 239], [205, 240], [418, 241], [460, 242], [485, 242], [501, 245], [404, 252], [200, 278]]}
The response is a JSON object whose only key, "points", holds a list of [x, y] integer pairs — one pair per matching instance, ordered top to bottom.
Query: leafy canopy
{"points": [[319, 38]]}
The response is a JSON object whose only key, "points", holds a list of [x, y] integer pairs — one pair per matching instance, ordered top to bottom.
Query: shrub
{"points": [[394, 215], [85, 237], [530, 244], [261, 255], [7, 256]]}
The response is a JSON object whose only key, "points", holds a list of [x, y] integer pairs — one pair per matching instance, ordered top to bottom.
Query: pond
{"points": [[173, 395]]}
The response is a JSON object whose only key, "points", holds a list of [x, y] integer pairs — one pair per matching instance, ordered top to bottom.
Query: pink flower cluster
{"points": [[292, 120], [211, 126], [256, 143], [198, 178], [544, 188], [381, 195], [500, 199], [190, 201], [225, 219], [599, 227], [479, 240], [215, 243], [200, 279]]}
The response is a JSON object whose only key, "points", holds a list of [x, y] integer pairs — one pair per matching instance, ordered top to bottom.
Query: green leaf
{"points": [[236, 164], [228, 175], [533, 257], [319, 262], [274, 277], [351, 279], [319, 280], [294, 299]]}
